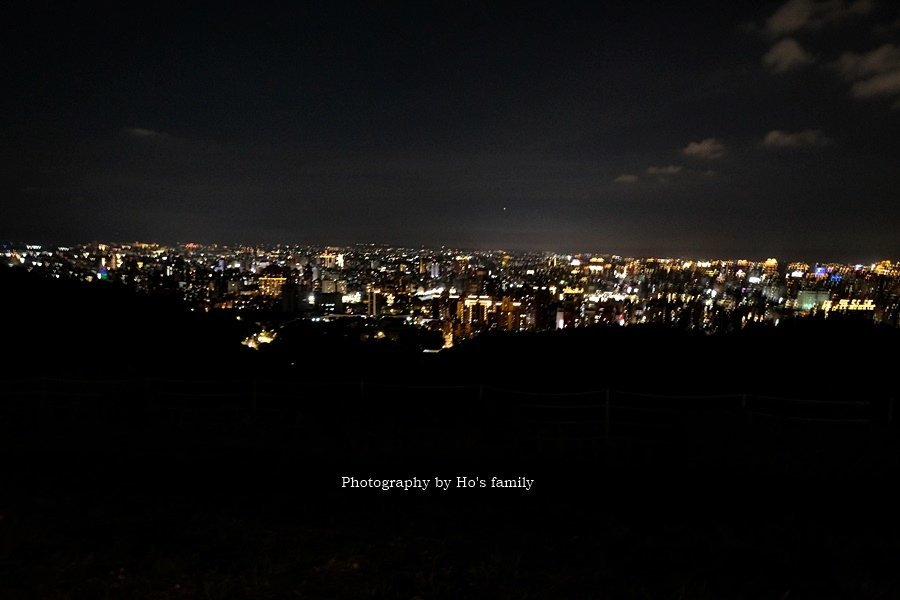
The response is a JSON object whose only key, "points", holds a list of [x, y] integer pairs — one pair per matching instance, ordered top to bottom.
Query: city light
{"points": [[460, 295]]}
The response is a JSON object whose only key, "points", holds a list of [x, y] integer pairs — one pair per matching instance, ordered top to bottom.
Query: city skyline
{"points": [[653, 130], [9, 247], [443, 295]]}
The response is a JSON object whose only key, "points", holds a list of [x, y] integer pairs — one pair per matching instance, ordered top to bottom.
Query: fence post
{"points": [[362, 389], [481, 391], [253, 399], [743, 401], [890, 411], [43, 413], [606, 417]]}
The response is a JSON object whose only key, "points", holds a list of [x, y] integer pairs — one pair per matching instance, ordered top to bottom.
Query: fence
{"points": [[251, 410]]}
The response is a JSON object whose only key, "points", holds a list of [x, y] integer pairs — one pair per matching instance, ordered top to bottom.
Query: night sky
{"points": [[713, 129]]}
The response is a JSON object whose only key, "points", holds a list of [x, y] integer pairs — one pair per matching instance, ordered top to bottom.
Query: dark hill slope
{"points": [[103, 330]]}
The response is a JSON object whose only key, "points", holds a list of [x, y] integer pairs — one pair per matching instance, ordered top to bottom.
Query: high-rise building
{"points": [[329, 260], [885, 267], [271, 286], [374, 297], [810, 299], [476, 310], [510, 315]]}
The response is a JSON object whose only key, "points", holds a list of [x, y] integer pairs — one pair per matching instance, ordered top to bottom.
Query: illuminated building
{"points": [[329, 260], [885, 267], [800, 268], [271, 286], [470, 293], [810, 299], [373, 302], [848, 305], [474, 310], [510, 315]]}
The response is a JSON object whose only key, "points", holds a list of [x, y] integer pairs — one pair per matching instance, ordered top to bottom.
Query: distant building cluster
{"points": [[461, 294]]}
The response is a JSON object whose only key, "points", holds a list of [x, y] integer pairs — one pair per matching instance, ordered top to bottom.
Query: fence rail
{"points": [[250, 393], [266, 410]]}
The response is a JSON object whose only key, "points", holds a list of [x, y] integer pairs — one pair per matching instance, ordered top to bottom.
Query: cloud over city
{"points": [[786, 55], [784, 139], [709, 148]]}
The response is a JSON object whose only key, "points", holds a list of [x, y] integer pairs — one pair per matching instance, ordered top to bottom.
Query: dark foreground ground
{"points": [[144, 454], [177, 513], [258, 527]]}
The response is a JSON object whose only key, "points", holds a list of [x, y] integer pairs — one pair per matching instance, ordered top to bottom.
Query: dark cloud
{"points": [[798, 15], [790, 17], [786, 55], [854, 66], [873, 73], [884, 84], [784, 139], [709, 148], [666, 170], [626, 178]]}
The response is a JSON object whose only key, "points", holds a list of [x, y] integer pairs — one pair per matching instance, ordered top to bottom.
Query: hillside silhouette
{"points": [[101, 329], [105, 330], [142, 369], [148, 454]]}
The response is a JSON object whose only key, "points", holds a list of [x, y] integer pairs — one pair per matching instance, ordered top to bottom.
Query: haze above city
{"points": [[709, 130]]}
